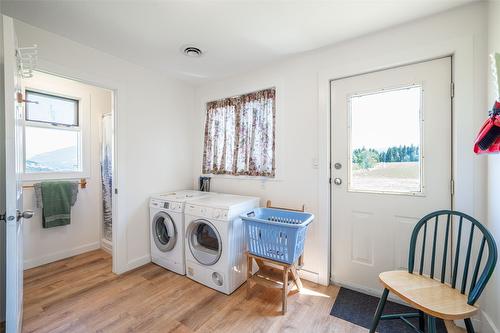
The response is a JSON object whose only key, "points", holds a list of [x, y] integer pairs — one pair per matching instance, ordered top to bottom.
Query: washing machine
{"points": [[167, 228], [215, 242]]}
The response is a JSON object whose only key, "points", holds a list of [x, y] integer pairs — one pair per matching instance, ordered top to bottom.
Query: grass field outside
{"points": [[387, 177]]}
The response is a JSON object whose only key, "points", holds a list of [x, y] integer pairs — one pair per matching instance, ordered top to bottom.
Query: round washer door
{"points": [[164, 231], [204, 242]]}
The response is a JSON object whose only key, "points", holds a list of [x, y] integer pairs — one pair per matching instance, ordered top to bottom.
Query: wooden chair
{"points": [[274, 274], [441, 298]]}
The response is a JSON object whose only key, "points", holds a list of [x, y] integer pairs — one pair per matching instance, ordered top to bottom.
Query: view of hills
{"points": [[65, 159]]}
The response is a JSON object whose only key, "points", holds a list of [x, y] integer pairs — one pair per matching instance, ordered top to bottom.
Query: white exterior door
{"points": [[391, 165], [13, 192]]}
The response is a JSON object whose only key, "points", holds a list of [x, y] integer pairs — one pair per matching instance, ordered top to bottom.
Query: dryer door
{"points": [[164, 231], [204, 242]]}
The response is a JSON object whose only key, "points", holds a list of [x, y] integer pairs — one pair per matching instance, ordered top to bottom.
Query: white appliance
{"points": [[167, 228], [215, 242]]}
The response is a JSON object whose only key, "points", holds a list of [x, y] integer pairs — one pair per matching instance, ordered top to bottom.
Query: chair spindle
{"points": [[445, 249], [457, 254], [422, 257], [433, 258], [467, 260], [478, 264]]}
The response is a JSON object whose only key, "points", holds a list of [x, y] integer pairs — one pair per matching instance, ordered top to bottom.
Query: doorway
{"points": [[67, 136], [391, 156]]}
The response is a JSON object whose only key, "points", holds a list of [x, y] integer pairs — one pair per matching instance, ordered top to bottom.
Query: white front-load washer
{"points": [[167, 228], [215, 241]]}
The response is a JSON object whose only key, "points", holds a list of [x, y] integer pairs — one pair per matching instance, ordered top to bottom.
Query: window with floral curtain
{"points": [[239, 135]]}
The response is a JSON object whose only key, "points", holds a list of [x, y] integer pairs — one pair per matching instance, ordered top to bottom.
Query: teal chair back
{"points": [[447, 219]]}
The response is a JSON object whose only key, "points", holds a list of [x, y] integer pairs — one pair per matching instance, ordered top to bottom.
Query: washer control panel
{"points": [[168, 205], [207, 212]]}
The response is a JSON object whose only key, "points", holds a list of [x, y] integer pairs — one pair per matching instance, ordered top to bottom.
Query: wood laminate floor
{"points": [[81, 294]]}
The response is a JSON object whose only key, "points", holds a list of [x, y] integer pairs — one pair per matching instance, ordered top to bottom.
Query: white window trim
{"points": [[83, 127]]}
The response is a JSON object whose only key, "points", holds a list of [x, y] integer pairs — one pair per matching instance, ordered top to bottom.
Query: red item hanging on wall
{"points": [[488, 139]]}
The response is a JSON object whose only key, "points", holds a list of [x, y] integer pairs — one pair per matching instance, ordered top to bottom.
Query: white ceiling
{"points": [[237, 36]]}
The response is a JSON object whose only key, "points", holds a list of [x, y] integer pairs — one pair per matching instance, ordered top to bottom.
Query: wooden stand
{"points": [[272, 274]]}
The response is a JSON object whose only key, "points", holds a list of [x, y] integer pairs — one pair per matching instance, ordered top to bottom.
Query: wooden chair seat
{"points": [[428, 295]]}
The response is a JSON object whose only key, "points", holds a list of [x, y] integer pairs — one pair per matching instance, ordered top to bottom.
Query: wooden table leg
{"points": [[249, 275], [296, 278], [285, 289]]}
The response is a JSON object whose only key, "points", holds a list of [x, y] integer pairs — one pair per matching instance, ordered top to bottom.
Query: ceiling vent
{"points": [[192, 51]]}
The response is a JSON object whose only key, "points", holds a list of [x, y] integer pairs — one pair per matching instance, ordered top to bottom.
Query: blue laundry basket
{"points": [[275, 233]]}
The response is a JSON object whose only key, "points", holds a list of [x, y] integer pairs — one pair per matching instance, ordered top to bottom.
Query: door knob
{"points": [[337, 181], [27, 214]]}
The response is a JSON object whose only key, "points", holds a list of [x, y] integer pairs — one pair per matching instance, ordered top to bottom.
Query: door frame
{"points": [[452, 142], [466, 174], [115, 181]]}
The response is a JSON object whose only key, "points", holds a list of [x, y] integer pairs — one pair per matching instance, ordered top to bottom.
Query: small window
{"points": [[51, 109], [52, 134], [239, 135], [385, 141]]}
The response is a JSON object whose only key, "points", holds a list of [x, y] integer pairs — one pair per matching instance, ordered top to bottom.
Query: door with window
{"points": [[391, 165]]}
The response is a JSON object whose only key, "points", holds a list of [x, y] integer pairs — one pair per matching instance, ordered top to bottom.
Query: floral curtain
{"points": [[239, 135]]}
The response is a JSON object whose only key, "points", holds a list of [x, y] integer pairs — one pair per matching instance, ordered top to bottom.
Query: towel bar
{"points": [[83, 184]]}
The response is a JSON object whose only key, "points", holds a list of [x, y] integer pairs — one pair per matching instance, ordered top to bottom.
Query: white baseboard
{"points": [[107, 246], [35, 262], [138, 262], [309, 276], [488, 326]]}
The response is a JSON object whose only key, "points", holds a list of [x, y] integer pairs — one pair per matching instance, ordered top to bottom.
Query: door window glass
{"points": [[385, 141]]}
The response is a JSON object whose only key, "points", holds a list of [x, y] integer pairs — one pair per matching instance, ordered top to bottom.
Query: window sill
{"points": [[36, 177], [246, 178]]}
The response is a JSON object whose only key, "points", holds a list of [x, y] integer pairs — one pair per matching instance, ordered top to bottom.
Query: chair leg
{"points": [[380, 309], [421, 320], [431, 324], [468, 325]]}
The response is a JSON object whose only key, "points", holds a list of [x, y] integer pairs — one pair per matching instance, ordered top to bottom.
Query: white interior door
{"points": [[391, 165], [13, 191]]}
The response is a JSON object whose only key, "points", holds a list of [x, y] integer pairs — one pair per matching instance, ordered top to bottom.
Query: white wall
{"points": [[302, 114], [153, 132], [41, 245], [491, 304]]}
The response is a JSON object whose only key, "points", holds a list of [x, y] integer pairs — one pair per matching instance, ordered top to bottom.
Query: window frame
{"points": [[27, 94], [82, 127], [422, 192]]}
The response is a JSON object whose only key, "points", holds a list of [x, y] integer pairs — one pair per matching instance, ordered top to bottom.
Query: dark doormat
{"points": [[359, 308]]}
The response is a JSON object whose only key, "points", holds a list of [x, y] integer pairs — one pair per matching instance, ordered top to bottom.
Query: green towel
{"points": [[56, 199]]}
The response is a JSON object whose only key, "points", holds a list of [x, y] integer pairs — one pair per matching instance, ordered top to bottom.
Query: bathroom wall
{"points": [[84, 233]]}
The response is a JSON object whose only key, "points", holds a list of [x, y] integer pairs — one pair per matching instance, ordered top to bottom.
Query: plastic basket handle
{"points": [[276, 252]]}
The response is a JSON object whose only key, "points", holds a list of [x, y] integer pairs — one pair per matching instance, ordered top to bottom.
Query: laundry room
{"points": [[249, 166]]}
